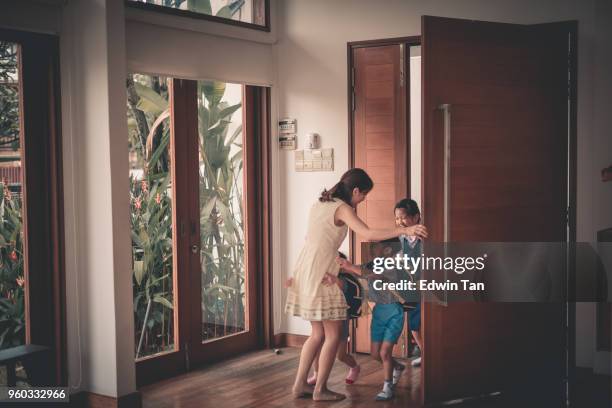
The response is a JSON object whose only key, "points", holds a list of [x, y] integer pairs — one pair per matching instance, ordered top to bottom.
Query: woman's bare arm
{"points": [[347, 215]]}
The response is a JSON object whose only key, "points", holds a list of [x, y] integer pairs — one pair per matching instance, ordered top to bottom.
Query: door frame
{"points": [[256, 102], [404, 139], [42, 189]]}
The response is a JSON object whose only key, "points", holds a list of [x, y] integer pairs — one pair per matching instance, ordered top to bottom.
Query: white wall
{"points": [[97, 49], [311, 59], [98, 250]]}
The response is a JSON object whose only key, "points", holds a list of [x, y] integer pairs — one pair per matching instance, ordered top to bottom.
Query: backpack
{"points": [[353, 293]]}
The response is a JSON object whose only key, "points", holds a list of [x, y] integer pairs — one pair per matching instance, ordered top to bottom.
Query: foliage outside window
{"points": [[250, 13], [221, 209], [151, 213], [12, 283]]}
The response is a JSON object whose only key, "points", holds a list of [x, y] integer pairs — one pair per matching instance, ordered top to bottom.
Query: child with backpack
{"points": [[388, 313]]}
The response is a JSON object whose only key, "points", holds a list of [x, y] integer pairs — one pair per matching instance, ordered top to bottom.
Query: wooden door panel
{"points": [[507, 89], [379, 143]]}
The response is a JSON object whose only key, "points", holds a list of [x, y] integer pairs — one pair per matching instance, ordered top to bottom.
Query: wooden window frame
{"points": [[201, 16], [43, 218]]}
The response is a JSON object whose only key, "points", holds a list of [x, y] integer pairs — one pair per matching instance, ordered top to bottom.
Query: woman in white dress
{"points": [[323, 304]]}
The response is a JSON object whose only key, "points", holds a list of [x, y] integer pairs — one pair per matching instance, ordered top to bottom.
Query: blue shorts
{"points": [[415, 318], [387, 322]]}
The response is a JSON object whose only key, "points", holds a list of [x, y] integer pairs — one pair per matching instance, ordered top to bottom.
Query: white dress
{"points": [[307, 297]]}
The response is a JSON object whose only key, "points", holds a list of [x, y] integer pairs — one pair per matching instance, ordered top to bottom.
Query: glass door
{"points": [[194, 222], [223, 271]]}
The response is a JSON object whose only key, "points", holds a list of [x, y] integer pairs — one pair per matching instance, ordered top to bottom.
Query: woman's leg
{"points": [[332, 330], [307, 355], [312, 378]]}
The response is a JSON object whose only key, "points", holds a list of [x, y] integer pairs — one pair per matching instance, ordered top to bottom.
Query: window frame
{"points": [[202, 16], [42, 192]]}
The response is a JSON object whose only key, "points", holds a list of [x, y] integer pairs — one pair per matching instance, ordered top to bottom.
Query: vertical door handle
{"points": [[446, 110]]}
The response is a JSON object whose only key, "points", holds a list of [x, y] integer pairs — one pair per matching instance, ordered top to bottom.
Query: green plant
{"points": [[151, 214], [221, 214], [221, 219], [12, 309], [12, 316]]}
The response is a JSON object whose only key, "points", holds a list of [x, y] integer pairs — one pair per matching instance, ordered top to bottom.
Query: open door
{"points": [[495, 164]]}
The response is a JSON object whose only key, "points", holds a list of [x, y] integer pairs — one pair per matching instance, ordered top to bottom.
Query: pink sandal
{"points": [[353, 374]]}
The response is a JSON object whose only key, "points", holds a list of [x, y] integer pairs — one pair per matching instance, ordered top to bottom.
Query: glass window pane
{"points": [[245, 11], [151, 214], [12, 283], [224, 295]]}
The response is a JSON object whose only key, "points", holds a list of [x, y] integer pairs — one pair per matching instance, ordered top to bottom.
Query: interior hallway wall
{"points": [[100, 41], [312, 81]]}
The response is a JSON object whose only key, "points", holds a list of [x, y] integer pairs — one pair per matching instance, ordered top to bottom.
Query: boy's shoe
{"points": [[416, 362], [398, 369], [353, 374], [312, 380], [387, 392]]}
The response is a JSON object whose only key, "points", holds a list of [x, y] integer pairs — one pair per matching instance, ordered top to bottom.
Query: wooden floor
{"points": [[264, 379]]}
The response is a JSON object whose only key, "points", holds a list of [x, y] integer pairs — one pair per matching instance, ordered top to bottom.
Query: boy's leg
{"points": [[415, 327], [393, 331], [377, 332], [384, 335], [417, 337], [375, 350], [386, 356]]}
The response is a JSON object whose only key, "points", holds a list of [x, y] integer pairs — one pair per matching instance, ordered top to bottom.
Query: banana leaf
{"points": [[199, 6], [150, 101]]}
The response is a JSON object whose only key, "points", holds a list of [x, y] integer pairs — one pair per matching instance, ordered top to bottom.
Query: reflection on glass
{"points": [[246, 11], [221, 209], [151, 214], [12, 276]]}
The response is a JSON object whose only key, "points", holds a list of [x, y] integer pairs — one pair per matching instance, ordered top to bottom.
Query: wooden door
{"points": [[380, 147], [506, 178]]}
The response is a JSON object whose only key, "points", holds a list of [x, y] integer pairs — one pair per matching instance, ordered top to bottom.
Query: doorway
{"points": [[511, 93], [384, 121], [198, 190]]}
